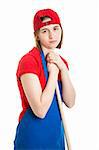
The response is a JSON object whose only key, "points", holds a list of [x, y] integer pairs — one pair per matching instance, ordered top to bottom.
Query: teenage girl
{"points": [[40, 124]]}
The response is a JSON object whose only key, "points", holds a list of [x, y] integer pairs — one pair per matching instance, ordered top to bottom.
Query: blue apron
{"points": [[34, 133]]}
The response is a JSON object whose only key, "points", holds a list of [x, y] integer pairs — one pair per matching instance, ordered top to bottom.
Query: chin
{"points": [[52, 47]]}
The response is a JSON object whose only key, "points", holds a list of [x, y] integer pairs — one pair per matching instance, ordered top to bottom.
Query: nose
{"points": [[51, 35]]}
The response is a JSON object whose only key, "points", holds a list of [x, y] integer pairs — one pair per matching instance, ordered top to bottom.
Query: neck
{"points": [[46, 50]]}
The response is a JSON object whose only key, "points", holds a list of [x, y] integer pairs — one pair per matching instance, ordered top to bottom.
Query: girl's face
{"points": [[50, 36]]}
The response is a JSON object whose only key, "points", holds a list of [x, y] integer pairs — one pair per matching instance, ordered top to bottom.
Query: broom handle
{"points": [[63, 117]]}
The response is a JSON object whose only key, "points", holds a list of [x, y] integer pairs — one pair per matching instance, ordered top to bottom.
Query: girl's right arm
{"points": [[39, 101]]}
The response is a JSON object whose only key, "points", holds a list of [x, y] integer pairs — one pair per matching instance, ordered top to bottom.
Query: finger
{"points": [[52, 61]]}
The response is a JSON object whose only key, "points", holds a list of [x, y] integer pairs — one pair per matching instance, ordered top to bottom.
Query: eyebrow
{"points": [[44, 29], [48, 29]]}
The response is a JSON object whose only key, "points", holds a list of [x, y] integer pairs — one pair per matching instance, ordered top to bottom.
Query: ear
{"points": [[37, 37]]}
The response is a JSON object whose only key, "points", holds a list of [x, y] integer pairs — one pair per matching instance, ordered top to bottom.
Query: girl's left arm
{"points": [[68, 91]]}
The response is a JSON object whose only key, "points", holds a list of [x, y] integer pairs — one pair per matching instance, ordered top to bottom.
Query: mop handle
{"points": [[63, 117]]}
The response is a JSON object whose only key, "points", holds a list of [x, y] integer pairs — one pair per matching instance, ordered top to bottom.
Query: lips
{"points": [[52, 41]]}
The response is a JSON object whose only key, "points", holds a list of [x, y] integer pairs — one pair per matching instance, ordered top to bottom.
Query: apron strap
{"points": [[44, 64]]}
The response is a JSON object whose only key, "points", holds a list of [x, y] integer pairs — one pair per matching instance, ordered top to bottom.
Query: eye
{"points": [[56, 28], [44, 31]]}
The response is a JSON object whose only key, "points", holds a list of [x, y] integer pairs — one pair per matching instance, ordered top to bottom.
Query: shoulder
{"points": [[32, 55], [29, 63]]}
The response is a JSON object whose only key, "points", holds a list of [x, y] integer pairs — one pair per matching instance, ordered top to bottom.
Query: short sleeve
{"points": [[27, 64]]}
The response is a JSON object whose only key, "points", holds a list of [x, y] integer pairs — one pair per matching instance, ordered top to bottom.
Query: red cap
{"points": [[42, 13]]}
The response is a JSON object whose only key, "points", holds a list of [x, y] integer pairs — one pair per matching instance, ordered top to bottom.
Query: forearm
{"points": [[68, 91], [48, 93]]}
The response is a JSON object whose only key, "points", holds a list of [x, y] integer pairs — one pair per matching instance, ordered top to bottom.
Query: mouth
{"points": [[52, 41]]}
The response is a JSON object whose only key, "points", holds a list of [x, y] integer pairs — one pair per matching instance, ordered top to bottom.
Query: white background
{"points": [[80, 48]]}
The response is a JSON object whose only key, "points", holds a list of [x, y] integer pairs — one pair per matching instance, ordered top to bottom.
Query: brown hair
{"points": [[38, 45]]}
